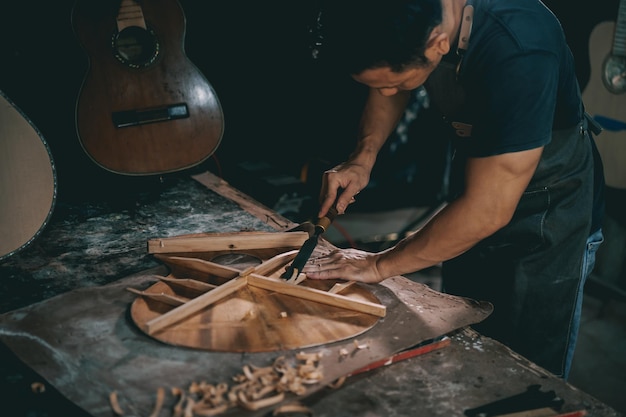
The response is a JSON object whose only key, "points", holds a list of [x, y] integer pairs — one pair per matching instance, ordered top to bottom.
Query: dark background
{"points": [[279, 104], [281, 107]]}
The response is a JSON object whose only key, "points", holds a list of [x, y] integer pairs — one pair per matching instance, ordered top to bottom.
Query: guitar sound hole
{"points": [[136, 47], [614, 74]]}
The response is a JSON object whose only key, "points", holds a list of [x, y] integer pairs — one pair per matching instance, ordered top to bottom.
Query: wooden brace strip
{"points": [[230, 241], [200, 265], [320, 296], [172, 300], [195, 305]]}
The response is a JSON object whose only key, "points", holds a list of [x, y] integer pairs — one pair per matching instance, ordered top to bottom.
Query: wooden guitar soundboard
{"points": [[224, 293]]}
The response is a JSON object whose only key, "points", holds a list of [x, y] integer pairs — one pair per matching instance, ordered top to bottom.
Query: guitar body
{"points": [[143, 107], [608, 108], [27, 180]]}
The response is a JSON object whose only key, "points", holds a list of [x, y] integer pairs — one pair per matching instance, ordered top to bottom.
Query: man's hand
{"points": [[342, 184], [348, 264]]}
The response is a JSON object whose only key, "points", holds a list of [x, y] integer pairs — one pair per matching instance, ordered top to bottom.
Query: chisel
{"points": [[309, 245]]}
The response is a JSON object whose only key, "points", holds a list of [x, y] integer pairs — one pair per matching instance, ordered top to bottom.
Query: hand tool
{"points": [[294, 269]]}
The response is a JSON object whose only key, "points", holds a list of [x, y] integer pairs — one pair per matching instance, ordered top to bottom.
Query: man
{"points": [[524, 223]]}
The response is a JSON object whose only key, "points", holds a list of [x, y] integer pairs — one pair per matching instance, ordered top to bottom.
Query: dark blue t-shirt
{"points": [[519, 78], [515, 84]]}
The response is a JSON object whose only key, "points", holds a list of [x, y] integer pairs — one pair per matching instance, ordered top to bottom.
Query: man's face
{"points": [[389, 83]]}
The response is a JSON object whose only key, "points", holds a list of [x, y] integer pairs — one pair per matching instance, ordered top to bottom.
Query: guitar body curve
{"points": [[143, 108], [608, 108], [28, 185]]}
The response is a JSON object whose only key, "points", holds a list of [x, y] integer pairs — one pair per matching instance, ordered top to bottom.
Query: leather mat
{"points": [[85, 344]]}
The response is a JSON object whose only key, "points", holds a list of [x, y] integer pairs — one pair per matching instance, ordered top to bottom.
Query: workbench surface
{"points": [[91, 244]]}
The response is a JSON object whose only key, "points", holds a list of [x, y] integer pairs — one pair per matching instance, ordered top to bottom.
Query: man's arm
{"points": [[380, 116], [494, 186]]}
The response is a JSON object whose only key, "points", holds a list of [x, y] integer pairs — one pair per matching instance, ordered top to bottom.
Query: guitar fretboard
{"points": [[130, 14], [619, 40]]}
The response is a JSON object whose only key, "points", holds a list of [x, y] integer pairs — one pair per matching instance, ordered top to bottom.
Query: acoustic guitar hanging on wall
{"points": [[605, 94], [144, 108]]}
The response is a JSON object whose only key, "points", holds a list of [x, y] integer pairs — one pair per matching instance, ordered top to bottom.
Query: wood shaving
{"points": [[360, 346], [343, 353], [337, 383], [38, 387], [253, 389], [159, 402], [115, 405], [178, 408], [292, 408]]}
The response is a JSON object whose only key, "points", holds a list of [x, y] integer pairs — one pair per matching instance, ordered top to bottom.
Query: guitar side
{"points": [[606, 106], [156, 118], [28, 185]]}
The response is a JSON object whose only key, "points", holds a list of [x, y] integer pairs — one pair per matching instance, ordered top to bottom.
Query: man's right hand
{"points": [[342, 184]]}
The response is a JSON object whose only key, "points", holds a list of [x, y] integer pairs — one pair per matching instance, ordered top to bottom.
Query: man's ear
{"points": [[439, 42]]}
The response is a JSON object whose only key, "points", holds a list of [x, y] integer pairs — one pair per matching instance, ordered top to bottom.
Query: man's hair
{"points": [[365, 34]]}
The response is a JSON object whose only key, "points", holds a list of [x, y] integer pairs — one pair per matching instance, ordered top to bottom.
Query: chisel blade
{"points": [[309, 245]]}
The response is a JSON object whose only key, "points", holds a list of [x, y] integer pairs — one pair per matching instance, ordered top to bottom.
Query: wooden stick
{"points": [[228, 242], [272, 264], [200, 265], [193, 284], [341, 286], [319, 296], [168, 299], [195, 305]]}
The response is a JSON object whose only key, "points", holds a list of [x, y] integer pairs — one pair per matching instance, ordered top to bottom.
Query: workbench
{"points": [[89, 248]]}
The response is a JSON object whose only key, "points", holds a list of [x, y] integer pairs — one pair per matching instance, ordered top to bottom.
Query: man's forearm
{"points": [[380, 116]]}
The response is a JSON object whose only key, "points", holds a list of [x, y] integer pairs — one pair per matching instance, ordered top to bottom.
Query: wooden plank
{"points": [[246, 202], [227, 241], [200, 265], [271, 265], [192, 284], [341, 286], [319, 296], [169, 299], [195, 305]]}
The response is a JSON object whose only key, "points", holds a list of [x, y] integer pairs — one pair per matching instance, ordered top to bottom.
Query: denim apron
{"points": [[530, 270]]}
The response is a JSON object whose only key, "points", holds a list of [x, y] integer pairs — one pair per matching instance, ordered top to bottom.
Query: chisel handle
{"points": [[324, 222]]}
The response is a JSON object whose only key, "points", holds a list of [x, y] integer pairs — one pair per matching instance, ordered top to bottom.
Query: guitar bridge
{"points": [[128, 118]]}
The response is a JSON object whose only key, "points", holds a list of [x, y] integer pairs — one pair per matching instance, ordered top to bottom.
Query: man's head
{"points": [[368, 34]]}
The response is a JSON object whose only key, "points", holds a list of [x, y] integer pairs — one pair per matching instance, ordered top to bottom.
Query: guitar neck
{"points": [[130, 14], [619, 39]]}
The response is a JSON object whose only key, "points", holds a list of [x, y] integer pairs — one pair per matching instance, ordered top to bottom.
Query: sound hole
{"points": [[136, 47], [615, 74]]}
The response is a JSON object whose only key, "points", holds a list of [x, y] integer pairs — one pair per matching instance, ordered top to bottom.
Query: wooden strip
{"points": [[252, 206], [225, 242], [272, 264], [200, 265], [192, 284], [341, 286], [319, 296], [173, 300], [195, 305]]}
